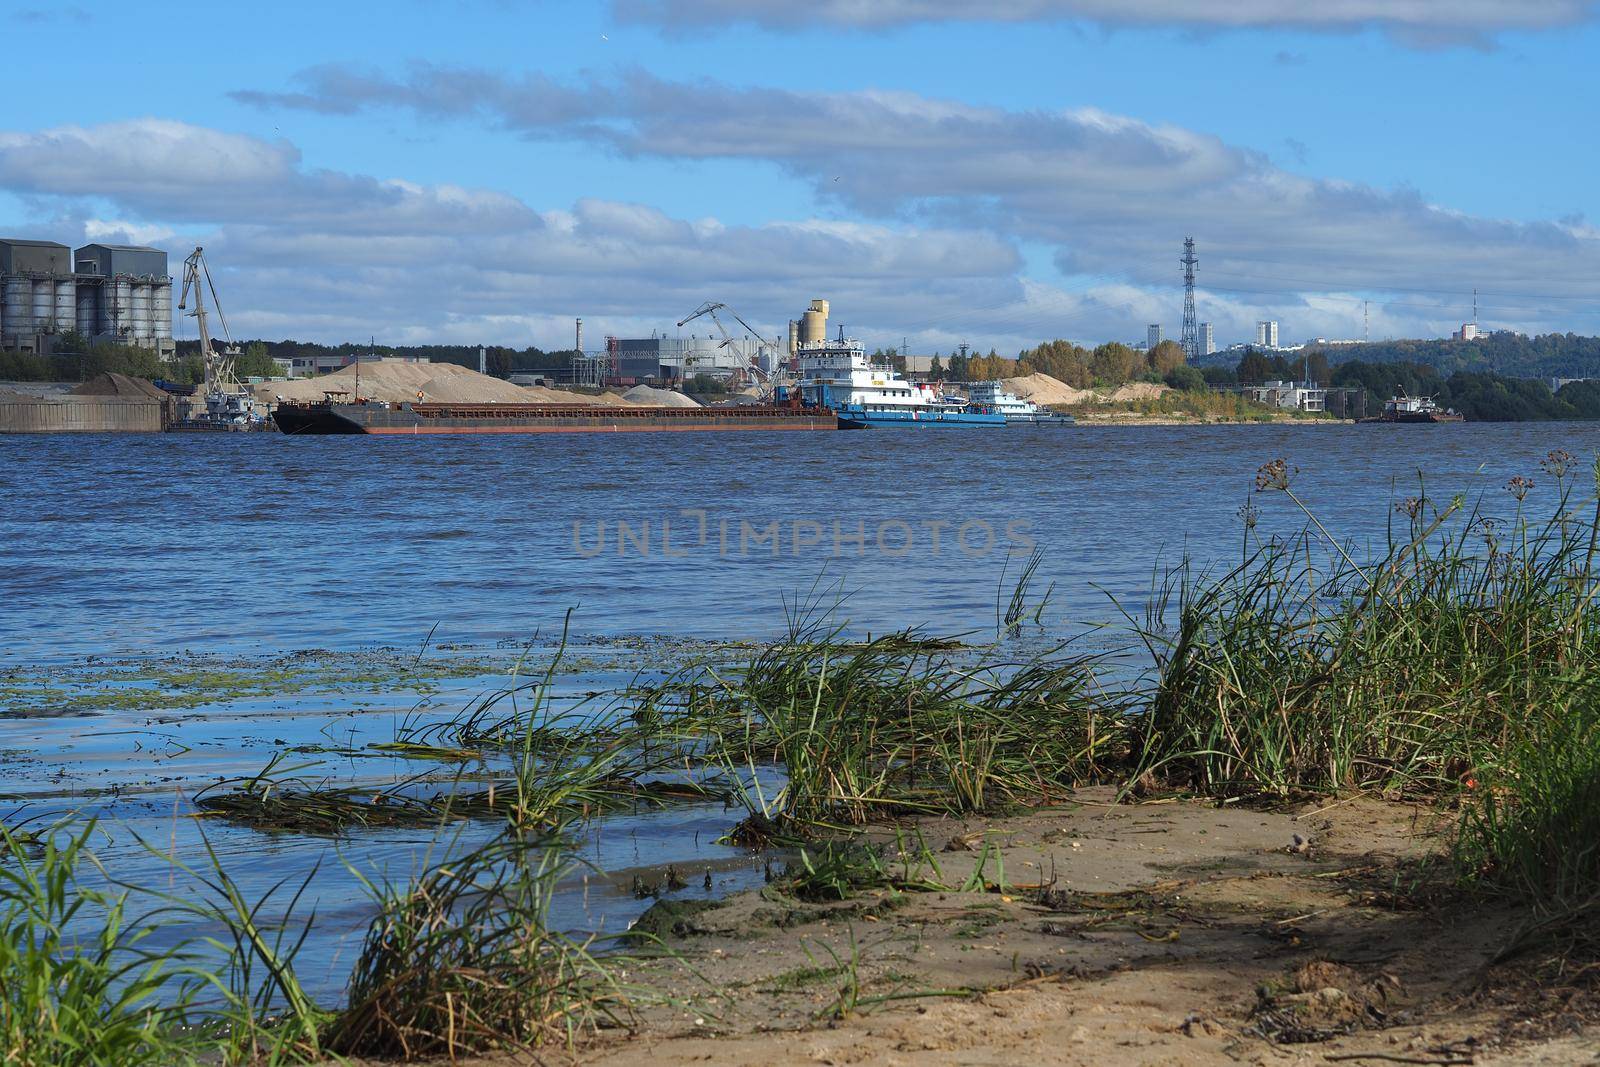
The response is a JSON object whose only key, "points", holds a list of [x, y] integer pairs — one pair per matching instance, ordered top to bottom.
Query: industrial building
{"points": [[110, 293], [638, 359]]}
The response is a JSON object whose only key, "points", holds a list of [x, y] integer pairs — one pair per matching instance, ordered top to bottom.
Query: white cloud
{"points": [[1422, 21], [1109, 194], [126, 232], [319, 254]]}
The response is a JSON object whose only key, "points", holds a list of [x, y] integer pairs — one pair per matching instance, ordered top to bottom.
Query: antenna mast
{"points": [[1191, 329]]}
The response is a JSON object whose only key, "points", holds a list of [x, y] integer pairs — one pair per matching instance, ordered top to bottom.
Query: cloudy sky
{"points": [[483, 171]]}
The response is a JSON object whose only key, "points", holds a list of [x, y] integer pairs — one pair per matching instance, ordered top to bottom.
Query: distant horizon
{"points": [[486, 172]]}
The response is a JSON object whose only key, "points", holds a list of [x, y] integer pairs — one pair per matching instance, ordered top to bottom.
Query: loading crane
{"points": [[762, 344], [222, 404]]}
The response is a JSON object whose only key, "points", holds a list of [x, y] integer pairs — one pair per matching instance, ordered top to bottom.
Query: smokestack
{"points": [[579, 345], [483, 360]]}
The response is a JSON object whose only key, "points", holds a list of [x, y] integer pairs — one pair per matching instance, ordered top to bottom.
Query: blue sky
{"points": [[485, 170]]}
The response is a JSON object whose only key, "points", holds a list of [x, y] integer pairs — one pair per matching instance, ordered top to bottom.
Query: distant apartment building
{"points": [[1468, 332], [1267, 333], [1152, 335], [1208, 340]]}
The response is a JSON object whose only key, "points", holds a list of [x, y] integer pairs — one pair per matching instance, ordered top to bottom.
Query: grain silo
{"points": [[30, 274], [135, 300], [814, 323]]}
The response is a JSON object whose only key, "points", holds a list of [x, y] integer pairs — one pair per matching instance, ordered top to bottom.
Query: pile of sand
{"points": [[443, 383], [111, 384], [1045, 390], [1138, 391], [539, 394], [659, 398]]}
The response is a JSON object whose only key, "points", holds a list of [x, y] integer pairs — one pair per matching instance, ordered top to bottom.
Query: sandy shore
{"points": [[1130, 418], [1162, 932]]}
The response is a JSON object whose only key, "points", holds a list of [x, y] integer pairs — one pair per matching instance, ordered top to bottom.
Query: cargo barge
{"points": [[1413, 409], [374, 417]]}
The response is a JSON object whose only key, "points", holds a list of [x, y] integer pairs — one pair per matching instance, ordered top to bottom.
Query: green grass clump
{"points": [[1296, 674], [899, 724], [1531, 822], [464, 960], [91, 1000]]}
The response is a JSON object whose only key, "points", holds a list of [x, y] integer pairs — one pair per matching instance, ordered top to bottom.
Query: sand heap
{"points": [[440, 383], [111, 384], [1045, 390], [1138, 391], [539, 394], [661, 398]]}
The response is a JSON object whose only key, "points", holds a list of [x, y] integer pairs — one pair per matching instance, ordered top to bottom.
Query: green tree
{"points": [[1165, 357], [254, 362], [1114, 363], [1254, 368], [1317, 368], [1186, 379]]}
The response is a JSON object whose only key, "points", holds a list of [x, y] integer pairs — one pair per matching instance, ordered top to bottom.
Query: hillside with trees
{"points": [[1512, 355]]}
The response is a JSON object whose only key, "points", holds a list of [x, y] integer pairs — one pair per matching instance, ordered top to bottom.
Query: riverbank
{"points": [[1140, 418], [1159, 931]]}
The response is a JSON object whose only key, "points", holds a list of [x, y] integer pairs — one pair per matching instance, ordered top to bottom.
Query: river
{"points": [[132, 555]]}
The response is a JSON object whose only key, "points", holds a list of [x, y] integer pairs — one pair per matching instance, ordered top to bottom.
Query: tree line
{"points": [[1511, 355]]}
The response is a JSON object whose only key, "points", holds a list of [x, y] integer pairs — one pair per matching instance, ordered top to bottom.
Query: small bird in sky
{"points": [[603, 37]]}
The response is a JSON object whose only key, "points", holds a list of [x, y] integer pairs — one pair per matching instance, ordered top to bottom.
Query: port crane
{"points": [[711, 308], [222, 404]]}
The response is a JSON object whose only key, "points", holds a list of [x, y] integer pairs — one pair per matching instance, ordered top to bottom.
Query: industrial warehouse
{"points": [[120, 294]]}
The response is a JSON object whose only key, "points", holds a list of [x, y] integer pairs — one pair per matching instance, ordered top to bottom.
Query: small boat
{"points": [[993, 396], [1415, 409]]}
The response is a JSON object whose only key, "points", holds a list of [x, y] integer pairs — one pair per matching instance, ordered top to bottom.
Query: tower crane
{"points": [[753, 366], [221, 404]]}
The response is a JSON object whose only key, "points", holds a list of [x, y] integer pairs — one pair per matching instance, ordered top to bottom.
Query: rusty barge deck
{"points": [[381, 418]]}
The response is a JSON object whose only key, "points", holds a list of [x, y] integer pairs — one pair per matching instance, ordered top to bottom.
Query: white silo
{"points": [[44, 304], [16, 310], [161, 310], [139, 314], [66, 316]]}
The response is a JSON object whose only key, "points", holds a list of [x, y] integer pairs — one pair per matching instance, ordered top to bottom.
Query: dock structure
{"points": [[80, 414]]}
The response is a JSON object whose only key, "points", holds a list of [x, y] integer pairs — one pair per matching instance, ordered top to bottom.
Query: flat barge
{"points": [[375, 417]]}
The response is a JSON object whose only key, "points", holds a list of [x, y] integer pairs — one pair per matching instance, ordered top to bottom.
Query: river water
{"points": [[145, 552]]}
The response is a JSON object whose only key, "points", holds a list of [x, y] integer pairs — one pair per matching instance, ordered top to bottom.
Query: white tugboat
{"points": [[837, 374], [992, 396]]}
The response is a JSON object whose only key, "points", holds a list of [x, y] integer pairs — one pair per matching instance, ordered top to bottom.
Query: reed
{"points": [[1301, 671], [899, 724], [465, 960], [101, 998]]}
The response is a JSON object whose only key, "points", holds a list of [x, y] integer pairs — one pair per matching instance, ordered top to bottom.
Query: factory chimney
{"points": [[483, 360]]}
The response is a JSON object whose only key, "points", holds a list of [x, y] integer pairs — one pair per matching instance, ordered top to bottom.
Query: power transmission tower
{"points": [[1191, 330]]}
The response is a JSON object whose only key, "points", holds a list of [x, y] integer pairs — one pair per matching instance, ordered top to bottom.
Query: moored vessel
{"points": [[837, 375], [992, 396], [1413, 409], [332, 416]]}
